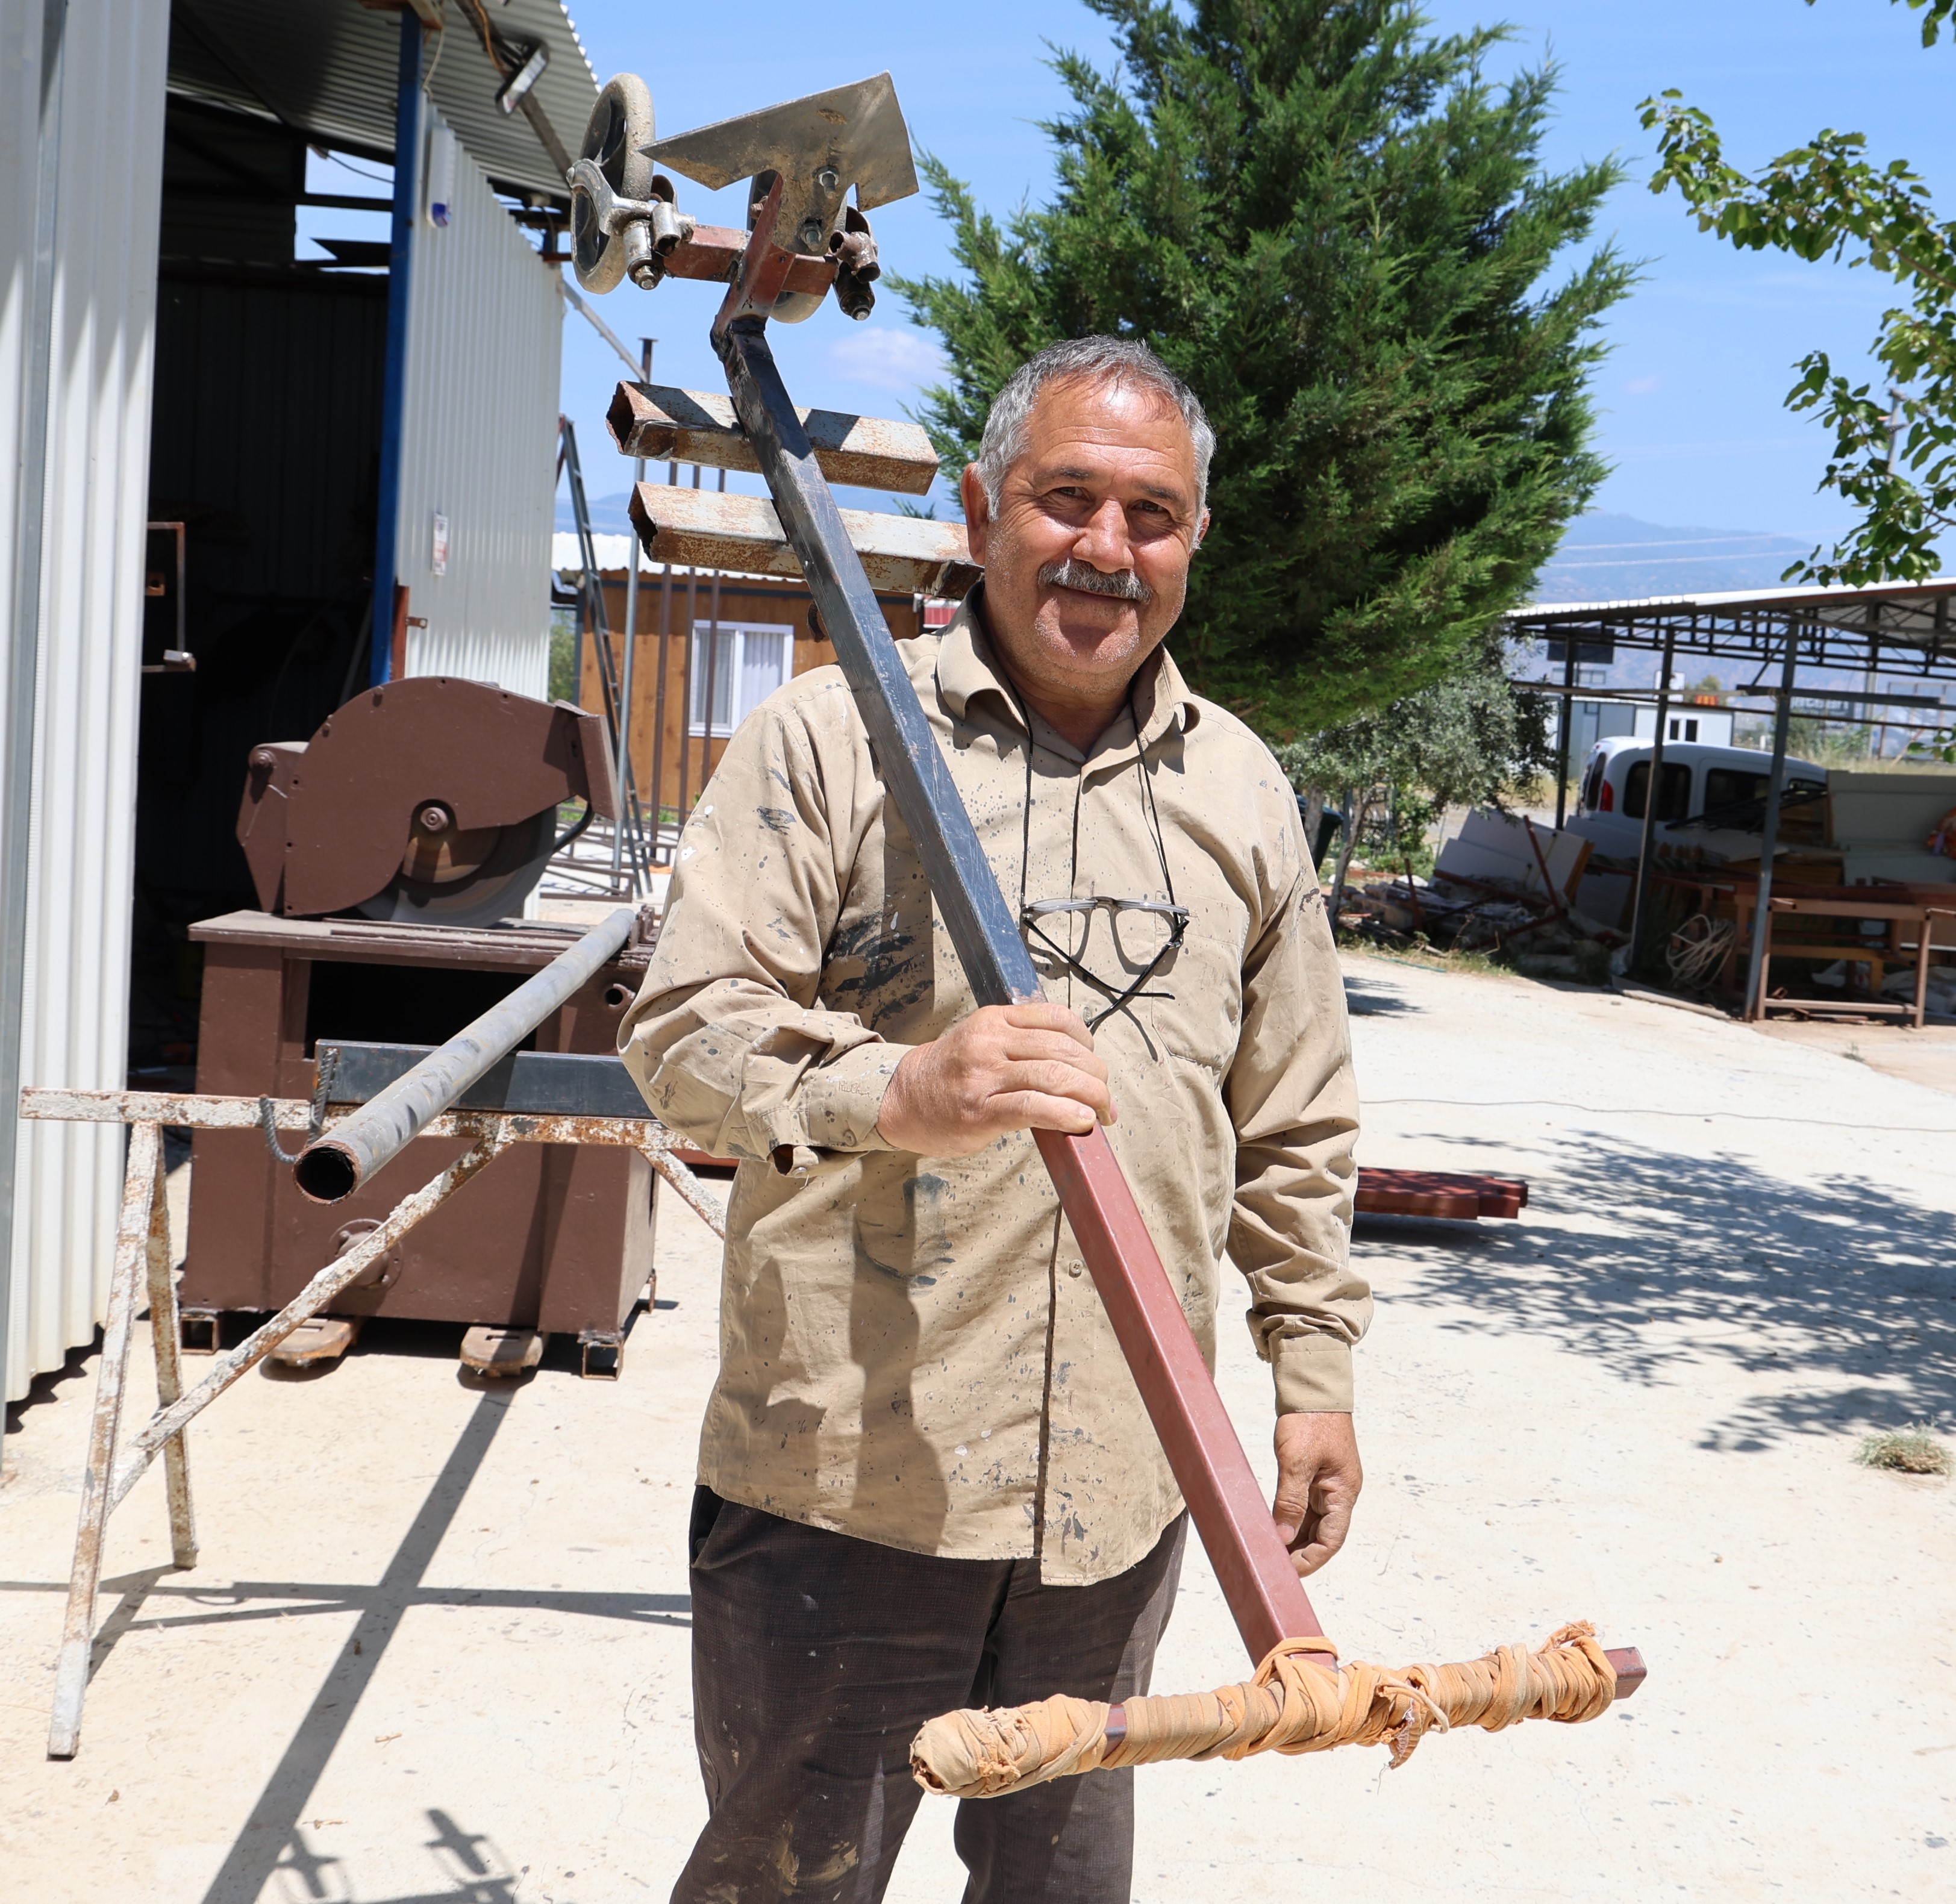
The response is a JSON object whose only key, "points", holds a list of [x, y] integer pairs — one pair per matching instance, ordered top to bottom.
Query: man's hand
{"points": [[1006, 1067], [1318, 1480]]}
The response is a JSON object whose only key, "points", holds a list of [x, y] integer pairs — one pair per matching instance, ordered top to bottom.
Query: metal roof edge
{"points": [[1811, 597]]}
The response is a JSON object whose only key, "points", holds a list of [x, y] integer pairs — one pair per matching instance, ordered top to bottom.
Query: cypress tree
{"points": [[1338, 231]]}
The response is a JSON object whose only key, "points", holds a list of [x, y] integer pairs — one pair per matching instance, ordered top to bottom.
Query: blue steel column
{"points": [[394, 396]]}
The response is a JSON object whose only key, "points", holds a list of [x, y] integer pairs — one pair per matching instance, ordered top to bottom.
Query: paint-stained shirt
{"points": [[911, 1352]]}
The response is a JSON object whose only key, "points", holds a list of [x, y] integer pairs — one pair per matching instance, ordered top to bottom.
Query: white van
{"points": [[1710, 797]]}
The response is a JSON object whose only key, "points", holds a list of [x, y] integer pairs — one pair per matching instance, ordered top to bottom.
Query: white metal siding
{"points": [[485, 330], [74, 1029]]}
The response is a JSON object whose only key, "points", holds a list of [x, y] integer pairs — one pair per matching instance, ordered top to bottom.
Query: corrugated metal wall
{"points": [[485, 331], [68, 1177]]}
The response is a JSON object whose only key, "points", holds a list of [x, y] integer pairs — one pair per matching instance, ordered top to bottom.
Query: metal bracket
{"points": [[802, 156]]}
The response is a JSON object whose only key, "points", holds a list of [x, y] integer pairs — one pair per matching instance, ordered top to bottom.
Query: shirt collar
{"points": [[967, 666]]}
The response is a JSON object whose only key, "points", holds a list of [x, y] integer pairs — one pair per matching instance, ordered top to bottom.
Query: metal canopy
{"points": [[326, 68], [1909, 624]]}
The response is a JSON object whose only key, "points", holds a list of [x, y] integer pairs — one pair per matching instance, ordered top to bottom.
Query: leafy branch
{"points": [[1895, 462]]}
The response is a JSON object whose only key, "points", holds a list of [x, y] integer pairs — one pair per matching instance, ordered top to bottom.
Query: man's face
{"points": [[1104, 488]]}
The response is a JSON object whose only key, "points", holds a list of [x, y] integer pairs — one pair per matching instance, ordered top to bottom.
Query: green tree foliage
{"points": [[1337, 230], [1894, 456], [1466, 740]]}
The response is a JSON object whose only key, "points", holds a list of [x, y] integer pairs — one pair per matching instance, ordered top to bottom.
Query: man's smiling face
{"points": [[1086, 553]]}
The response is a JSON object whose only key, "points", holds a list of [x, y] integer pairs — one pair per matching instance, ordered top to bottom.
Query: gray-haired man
{"points": [[926, 1478]]}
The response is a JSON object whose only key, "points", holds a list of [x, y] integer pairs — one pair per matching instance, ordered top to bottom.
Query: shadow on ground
{"points": [[1370, 997], [1838, 1294], [468, 1866]]}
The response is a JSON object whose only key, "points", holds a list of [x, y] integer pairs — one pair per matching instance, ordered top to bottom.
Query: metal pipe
{"points": [[394, 392], [631, 655], [712, 663], [21, 685], [686, 692], [659, 700], [1568, 719], [631, 813], [1769, 837], [1647, 842], [339, 1163]]}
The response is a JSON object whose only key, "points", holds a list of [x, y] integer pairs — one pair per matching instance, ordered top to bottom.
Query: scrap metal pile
{"points": [[1503, 884]]}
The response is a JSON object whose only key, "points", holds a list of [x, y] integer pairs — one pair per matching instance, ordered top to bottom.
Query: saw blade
{"points": [[495, 890]]}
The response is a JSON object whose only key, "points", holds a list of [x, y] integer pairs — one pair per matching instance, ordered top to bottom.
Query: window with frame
{"points": [[734, 671], [1673, 800]]}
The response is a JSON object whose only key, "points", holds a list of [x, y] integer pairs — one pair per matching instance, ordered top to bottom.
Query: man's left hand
{"points": [[1318, 1480]]}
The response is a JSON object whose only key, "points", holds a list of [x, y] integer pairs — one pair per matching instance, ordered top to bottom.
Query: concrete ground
{"points": [[437, 1648]]}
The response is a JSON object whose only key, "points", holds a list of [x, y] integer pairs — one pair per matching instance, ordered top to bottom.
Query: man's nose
{"points": [[1102, 540]]}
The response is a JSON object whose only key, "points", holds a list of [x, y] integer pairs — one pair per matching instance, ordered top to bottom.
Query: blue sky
{"points": [[1702, 351]]}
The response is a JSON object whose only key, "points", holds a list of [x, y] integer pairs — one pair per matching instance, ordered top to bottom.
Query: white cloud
{"points": [[890, 360], [1642, 385]]}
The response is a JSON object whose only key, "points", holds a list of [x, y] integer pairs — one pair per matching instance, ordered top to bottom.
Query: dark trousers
{"points": [[815, 1658]]}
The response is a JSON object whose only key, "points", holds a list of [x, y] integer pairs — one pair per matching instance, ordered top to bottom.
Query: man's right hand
{"points": [[1006, 1067]]}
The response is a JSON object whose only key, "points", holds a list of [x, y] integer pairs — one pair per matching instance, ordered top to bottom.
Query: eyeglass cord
{"points": [[1121, 1002]]}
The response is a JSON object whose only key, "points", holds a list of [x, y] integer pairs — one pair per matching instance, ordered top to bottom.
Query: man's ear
{"points": [[977, 512], [1201, 530]]}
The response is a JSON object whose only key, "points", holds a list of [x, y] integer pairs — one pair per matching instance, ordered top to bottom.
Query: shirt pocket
{"points": [[1195, 1007]]}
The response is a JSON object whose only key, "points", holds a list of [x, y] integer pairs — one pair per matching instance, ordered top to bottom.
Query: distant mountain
{"points": [[607, 515], [1607, 558], [1617, 558]]}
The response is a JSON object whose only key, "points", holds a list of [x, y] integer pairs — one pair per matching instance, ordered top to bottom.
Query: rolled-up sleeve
{"points": [[727, 1039], [1294, 1102]]}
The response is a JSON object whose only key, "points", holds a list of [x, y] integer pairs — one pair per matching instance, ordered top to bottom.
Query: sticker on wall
{"points": [[440, 173], [438, 549]]}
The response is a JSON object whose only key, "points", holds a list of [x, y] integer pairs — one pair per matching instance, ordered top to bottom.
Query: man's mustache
{"points": [[1123, 584]]}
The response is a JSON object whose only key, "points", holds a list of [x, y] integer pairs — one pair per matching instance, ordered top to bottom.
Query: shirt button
{"points": [[1073, 1268]]}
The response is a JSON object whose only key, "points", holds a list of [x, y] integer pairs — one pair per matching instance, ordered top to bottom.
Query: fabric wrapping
{"points": [[1297, 1703]]}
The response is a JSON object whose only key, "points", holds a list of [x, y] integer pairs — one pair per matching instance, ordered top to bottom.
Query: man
{"points": [[927, 1479]]}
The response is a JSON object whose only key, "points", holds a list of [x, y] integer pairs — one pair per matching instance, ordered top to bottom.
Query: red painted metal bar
{"points": [[1209, 1466]]}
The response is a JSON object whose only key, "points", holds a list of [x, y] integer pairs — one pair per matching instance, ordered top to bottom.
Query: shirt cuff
{"points": [[838, 1104], [1313, 1374]]}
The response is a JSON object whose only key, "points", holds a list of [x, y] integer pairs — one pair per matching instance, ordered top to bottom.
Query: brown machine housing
{"points": [[324, 822], [554, 1237]]}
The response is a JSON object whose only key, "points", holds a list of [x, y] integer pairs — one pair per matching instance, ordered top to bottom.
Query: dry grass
{"points": [[1418, 951], [1912, 1450]]}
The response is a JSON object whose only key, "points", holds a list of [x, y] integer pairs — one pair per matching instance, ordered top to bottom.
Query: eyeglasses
{"points": [[1175, 916]]}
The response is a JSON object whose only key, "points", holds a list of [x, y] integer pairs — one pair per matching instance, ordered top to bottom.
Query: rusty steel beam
{"points": [[713, 253], [661, 423], [700, 529], [192, 1111], [143, 1251], [339, 1274], [166, 1344], [98, 1501]]}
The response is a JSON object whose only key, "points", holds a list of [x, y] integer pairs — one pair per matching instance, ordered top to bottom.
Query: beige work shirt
{"points": [[910, 1351]]}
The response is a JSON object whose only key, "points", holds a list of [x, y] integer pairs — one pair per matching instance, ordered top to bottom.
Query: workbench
{"points": [[1896, 907], [556, 1238]]}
